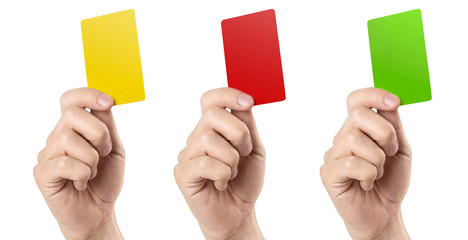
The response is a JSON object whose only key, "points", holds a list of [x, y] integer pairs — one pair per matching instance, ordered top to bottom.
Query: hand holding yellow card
{"points": [[112, 56]]}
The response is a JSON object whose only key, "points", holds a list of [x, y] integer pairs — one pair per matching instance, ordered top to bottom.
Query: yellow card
{"points": [[112, 56]]}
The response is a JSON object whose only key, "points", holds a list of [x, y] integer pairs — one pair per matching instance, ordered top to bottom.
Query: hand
{"points": [[221, 171], [367, 171], [80, 172]]}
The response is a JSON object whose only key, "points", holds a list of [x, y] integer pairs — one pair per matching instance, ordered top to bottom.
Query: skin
{"points": [[222, 168], [367, 171], [80, 172]]}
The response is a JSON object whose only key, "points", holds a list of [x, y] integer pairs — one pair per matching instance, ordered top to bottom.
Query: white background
{"points": [[325, 55]]}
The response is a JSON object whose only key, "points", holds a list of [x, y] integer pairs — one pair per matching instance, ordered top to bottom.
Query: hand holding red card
{"points": [[253, 61]]}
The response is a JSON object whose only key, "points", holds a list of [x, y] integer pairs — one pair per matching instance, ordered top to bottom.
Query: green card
{"points": [[398, 52]]}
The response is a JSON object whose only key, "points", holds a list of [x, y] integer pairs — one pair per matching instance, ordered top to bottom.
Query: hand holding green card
{"points": [[398, 52]]}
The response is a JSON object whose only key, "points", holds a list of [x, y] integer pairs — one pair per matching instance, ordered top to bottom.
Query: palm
{"points": [[224, 212]]}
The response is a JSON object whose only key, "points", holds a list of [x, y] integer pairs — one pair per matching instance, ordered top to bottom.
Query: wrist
{"points": [[395, 230], [106, 231], [248, 231]]}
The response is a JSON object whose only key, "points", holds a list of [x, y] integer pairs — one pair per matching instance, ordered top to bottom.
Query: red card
{"points": [[253, 61]]}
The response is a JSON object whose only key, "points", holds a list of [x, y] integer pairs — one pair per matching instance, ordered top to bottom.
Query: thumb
{"points": [[107, 118], [248, 118], [394, 118], [251, 171], [109, 179], [395, 181]]}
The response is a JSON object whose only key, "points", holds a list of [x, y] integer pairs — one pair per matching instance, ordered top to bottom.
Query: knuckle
{"points": [[64, 98], [204, 98], [350, 98], [69, 113], [210, 113], [357, 114], [343, 130], [242, 132], [388, 133], [53, 134], [101, 134], [206, 137], [65, 138], [190, 138], [49, 139], [335, 139], [352, 139], [40, 155], [181, 155], [327, 155], [93, 158], [233, 158], [381, 159], [349, 162], [62, 163], [203, 163], [36, 171], [176, 171], [324, 172], [224, 174], [373, 174], [83, 175], [369, 175]]}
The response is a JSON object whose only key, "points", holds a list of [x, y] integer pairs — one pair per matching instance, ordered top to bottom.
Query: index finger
{"points": [[86, 98], [226, 98], [373, 98]]}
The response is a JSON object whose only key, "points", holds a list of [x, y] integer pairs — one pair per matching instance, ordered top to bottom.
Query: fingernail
{"points": [[105, 100], [245, 100], [391, 100], [106, 149], [247, 149], [393, 149], [233, 174], [379, 174]]}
